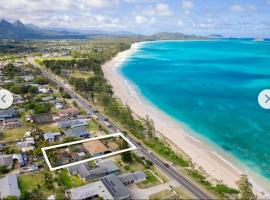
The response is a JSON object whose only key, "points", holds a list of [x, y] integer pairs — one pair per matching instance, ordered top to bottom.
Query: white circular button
{"points": [[6, 99], [264, 99]]}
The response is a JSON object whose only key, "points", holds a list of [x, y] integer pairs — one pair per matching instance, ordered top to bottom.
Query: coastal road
{"points": [[177, 175]]}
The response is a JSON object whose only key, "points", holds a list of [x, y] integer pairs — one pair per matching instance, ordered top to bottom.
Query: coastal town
{"points": [[44, 115], [77, 129]]}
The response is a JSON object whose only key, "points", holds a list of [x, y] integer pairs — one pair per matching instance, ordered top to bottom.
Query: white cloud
{"points": [[141, 1], [99, 3], [187, 5], [242, 8], [159, 9], [163, 9], [144, 20], [180, 22]]}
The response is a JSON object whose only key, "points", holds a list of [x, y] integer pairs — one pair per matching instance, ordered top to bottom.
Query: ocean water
{"points": [[211, 87]]}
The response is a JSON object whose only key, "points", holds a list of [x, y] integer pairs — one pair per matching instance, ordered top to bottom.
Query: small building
{"points": [[47, 98], [8, 113], [69, 113], [43, 118], [10, 123], [73, 123], [80, 132], [51, 137], [26, 146], [95, 148], [6, 160], [130, 178], [9, 186]]}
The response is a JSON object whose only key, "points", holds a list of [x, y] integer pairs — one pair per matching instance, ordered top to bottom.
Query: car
{"points": [[138, 143], [166, 165]]}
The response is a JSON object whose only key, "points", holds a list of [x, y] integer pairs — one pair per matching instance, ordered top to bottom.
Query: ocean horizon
{"points": [[211, 87]]}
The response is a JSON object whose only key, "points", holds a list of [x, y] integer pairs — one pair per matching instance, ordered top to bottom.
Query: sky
{"points": [[235, 18]]}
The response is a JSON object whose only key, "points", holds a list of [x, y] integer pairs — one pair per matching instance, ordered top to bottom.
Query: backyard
{"points": [[14, 134]]}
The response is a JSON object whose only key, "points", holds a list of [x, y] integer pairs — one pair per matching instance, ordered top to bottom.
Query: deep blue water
{"points": [[212, 87]]}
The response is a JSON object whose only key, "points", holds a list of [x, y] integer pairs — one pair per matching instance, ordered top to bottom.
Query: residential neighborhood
{"points": [[41, 116]]}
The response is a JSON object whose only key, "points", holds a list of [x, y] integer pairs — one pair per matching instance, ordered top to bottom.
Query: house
{"points": [[42, 90], [47, 98], [17, 99], [59, 106], [8, 113], [69, 113], [43, 118], [10, 123], [72, 123], [78, 132], [51, 137], [26, 146], [2, 147], [95, 148], [6, 160], [86, 173], [130, 178], [9, 186], [116, 188], [89, 191]]}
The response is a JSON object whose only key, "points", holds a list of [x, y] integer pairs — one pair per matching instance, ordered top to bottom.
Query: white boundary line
{"points": [[132, 147]]}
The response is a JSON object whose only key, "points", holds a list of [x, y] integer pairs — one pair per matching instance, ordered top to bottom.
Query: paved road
{"points": [[180, 178]]}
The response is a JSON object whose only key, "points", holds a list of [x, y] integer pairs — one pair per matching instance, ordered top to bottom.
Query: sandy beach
{"points": [[202, 154]]}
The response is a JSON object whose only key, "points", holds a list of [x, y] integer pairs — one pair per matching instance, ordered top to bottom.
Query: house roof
{"points": [[69, 111], [8, 113], [72, 123], [78, 132], [49, 135], [95, 147], [6, 160], [109, 165], [82, 169], [132, 177], [9, 186], [117, 189], [90, 190]]}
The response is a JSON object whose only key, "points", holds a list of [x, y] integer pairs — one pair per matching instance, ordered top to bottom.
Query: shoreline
{"points": [[220, 169]]}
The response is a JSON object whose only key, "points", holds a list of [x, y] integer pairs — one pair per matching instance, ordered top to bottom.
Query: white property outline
{"points": [[133, 147]]}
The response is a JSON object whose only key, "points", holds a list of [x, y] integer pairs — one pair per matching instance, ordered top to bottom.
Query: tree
{"points": [[149, 127], [126, 156], [4, 169], [48, 180], [245, 189]]}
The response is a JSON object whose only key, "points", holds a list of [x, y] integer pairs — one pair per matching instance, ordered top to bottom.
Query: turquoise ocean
{"points": [[212, 88]]}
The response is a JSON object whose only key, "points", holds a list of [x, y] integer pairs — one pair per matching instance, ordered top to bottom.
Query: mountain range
{"points": [[20, 31]]}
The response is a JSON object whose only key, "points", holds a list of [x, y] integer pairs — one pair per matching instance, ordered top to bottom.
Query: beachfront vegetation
{"points": [[245, 189]]}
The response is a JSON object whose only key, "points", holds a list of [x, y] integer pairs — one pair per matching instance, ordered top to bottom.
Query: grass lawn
{"points": [[81, 74], [92, 126], [49, 127], [15, 133], [133, 167], [69, 181], [150, 181], [28, 182], [162, 195]]}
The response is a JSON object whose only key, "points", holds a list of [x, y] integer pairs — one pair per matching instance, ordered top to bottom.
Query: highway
{"points": [[176, 174]]}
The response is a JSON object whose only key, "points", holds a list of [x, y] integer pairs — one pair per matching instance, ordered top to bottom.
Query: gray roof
{"points": [[8, 113], [72, 123], [77, 132], [51, 136], [6, 160], [109, 165], [82, 169], [132, 177], [9, 186], [117, 189], [89, 190]]}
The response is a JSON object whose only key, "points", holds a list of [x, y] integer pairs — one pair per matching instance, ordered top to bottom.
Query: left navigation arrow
{"points": [[6, 99]]}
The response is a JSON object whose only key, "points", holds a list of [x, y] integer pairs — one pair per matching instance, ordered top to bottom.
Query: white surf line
{"points": [[132, 147]]}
